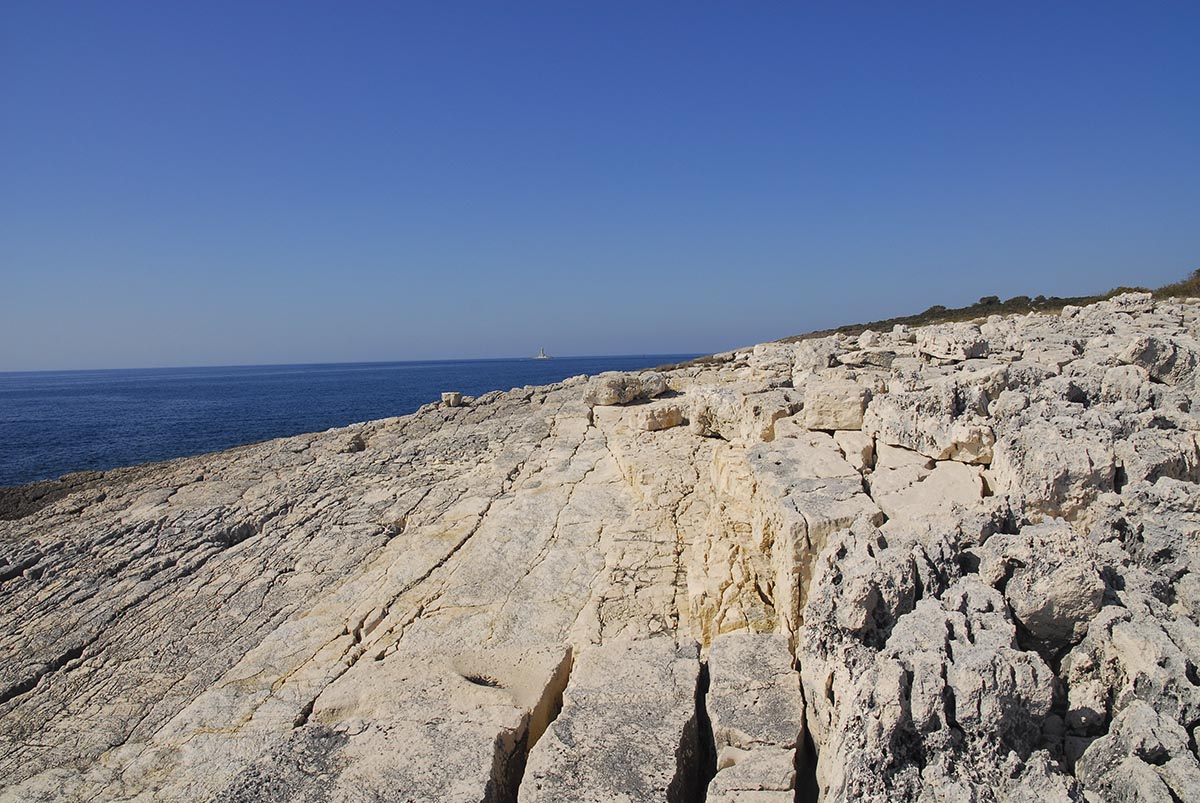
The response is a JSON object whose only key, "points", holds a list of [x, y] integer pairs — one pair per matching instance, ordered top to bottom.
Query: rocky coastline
{"points": [[957, 562]]}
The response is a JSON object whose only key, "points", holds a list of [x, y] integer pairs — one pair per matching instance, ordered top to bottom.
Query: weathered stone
{"points": [[951, 341], [814, 355], [1165, 359], [771, 361], [1127, 383], [610, 389], [452, 398], [834, 405], [738, 415], [659, 416], [944, 422], [857, 447], [1150, 454], [1053, 470], [946, 485], [1050, 577], [399, 609], [948, 672], [754, 693], [757, 715], [628, 727], [1144, 757], [765, 775]]}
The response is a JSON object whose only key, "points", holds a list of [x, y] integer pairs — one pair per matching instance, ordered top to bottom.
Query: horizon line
{"points": [[347, 362]]}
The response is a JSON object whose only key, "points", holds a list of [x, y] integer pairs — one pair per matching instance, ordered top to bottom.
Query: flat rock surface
{"points": [[973, 549]]}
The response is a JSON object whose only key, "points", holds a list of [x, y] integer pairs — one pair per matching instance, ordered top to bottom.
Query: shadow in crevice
{"points": [[512, 748], [706, 748], [696, 756], [807, 788]]}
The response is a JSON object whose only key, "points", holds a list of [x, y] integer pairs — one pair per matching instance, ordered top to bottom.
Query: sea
{"points": [[56, 422]]}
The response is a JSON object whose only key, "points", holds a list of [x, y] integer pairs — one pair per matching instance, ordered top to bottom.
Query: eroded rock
{"points": [[989, 592], [628, 728]]}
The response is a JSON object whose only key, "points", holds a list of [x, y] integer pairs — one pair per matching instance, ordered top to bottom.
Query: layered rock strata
{"points": [[959, 562]]}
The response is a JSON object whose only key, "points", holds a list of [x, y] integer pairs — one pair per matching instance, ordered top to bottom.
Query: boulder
{"points": [[951, 341], [815, 354], [1166, 359], [771, 361], [610, 389], [834, 404], [739, 415], [658, 416], [945, 422], [1053, 469], [1051, 579]]}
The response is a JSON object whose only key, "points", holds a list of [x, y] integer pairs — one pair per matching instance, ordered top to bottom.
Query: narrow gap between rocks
{"points": [[1120, 479], [550, 706], [706, 756], [696, 757], [508, 765], [807, 788]]}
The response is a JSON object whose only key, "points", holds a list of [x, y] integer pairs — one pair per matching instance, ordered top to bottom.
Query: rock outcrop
{"points": [[958, 562]]}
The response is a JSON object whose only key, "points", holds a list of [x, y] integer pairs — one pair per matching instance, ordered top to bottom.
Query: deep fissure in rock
{"points": [[706, 748], [696, 755], [508, 766], [807, 788]]}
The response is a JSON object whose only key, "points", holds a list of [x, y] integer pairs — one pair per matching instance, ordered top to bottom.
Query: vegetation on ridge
{"points": [[988, 305], [992, 305]]}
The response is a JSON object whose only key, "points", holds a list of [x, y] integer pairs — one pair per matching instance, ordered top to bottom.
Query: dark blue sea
{"points": [[52, 423]]}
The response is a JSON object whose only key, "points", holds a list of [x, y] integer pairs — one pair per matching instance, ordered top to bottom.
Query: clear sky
{"points": [[259, 182]]}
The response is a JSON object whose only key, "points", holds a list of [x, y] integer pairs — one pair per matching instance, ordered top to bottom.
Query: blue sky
{"points": [[222, 183]]}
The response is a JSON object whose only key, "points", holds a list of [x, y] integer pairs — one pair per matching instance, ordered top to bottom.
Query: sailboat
{"points": [[542, 355]]}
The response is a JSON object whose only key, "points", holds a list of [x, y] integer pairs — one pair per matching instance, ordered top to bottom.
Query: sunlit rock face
{"points": [[952, 563]]}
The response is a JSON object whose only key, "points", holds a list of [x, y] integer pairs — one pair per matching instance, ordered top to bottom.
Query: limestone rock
{"points": [[1136, 301], [952, 341], [815, 354], [1165, 359], [772, 361], [1127, 383], [609, 389], [834, 405], [738, 415], [659, 416], [943, 421], [857, 447], [1149, 454], [1053, 469], [947, 484], [1050, 578], [991, 592], [1130, 654], [949, 671], [754, 694], [757, 715], [628, 727], [1144, 757], [766, 775]]}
